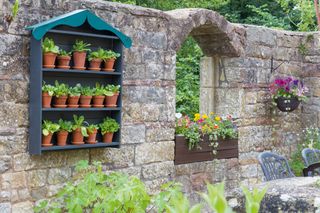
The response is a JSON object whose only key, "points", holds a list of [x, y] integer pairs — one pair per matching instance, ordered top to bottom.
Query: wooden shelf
{"points": [[48, 70], [80, 109], [83, 146]]}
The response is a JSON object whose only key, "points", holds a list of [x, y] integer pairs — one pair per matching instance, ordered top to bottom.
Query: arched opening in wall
{"points": [[188, 77]]}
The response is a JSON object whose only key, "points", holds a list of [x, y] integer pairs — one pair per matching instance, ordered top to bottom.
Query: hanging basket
{"points": [[287, 104]]}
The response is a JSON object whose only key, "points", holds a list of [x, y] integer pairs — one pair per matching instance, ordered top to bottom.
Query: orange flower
{"points": [[216, 126]]}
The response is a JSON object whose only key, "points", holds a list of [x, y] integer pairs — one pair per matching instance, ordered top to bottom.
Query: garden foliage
{"points": [[93, 190]]}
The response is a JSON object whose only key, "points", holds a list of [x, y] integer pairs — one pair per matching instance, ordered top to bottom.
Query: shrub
{"points": [[48, 46], [80, 46], [64, 53], [99, 54], [109, 54], [48, 88], [60, 89], [110, 89], [74, 91], [78, 122], [65, 125], [109, 125], [49, 127]]}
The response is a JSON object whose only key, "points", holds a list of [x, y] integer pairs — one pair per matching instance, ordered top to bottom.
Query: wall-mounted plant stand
{"points": [[65, 30]]}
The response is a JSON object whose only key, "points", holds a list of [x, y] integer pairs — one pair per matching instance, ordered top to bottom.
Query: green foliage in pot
{"points": [[48, 46], [80, 46], [64, 53], [99, 54], [109, 54], [48, 88], [60, 89], [110, 89], [98, 90], [74, 91], [86, 91], [78, 122], [65, 125], [109, 125], [49, 127], [92, 127], [93, 190]]}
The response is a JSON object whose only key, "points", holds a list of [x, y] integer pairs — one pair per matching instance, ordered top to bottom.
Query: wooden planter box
{"points": [[227, 148]]}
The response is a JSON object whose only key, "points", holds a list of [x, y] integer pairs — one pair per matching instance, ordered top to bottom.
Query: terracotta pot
{"points": [[49, 59], [79, 60], [63, 62], [95, 64], [108, 65], [46, 100], [73, 101], [85, 101], [98, 101], [111, 101], [60, 102], [62, 137], [77, 137], [92, 137], [107, 138], [46, 140]]}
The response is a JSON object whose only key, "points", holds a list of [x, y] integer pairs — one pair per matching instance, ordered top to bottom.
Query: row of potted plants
{"points": [[51, 52], [64, 96], [80, 129]]}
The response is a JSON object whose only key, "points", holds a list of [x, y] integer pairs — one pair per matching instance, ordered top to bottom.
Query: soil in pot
{"points": [[49, 60], [79, 60], [63, 62], [95, 64], [108, 65], [46, 100], [73, 101], [85, 101], [98, 101], [111, 101], [60, 102], [287, 104], [62, 137], [77, 137], [107, 138], [91, 139], [46, 140]]}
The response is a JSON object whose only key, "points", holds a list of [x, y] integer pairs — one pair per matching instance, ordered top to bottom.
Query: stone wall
{"points": [[149, 98]]}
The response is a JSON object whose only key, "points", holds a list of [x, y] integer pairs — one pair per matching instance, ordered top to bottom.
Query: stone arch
{"points": [[214, 34], [219, 40]]}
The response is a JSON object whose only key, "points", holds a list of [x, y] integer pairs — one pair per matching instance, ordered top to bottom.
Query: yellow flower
{"points": [[211, 113], [197, 116], [204, 116], [217, 118]]}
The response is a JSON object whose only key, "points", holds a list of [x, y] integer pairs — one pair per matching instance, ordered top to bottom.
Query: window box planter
{"points": [[227, 148]]}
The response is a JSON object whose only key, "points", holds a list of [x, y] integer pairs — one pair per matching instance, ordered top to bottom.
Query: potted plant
{"points": [[79, 50], [50, 51], [95, 58], [63, 59], [109, 59], [47, 93], [287, 93], [112, 94], [60, 95], [74, 96], [86, 96], [98, 96], [108, 127], [48, 128], [79, 130], [92, 130], [62, 134], [204, 138]]}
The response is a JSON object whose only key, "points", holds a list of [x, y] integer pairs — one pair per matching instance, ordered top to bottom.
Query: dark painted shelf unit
{"points": [[65, 36]]}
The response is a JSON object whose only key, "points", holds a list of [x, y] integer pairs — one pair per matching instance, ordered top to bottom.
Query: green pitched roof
{"points": [[75, 19]]}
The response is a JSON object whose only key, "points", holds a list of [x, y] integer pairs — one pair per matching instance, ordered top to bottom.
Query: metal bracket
{"points": [[274, 69]]}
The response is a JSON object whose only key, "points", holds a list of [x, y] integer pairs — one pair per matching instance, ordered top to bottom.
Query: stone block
{"points": [[154, 71], [207, 72], [13, 115], [159, 132], [133, 134], [154, 152], [118, 158], [158, 170], [131, 171], [249, 171], [59, 175], [37, 178], [15, 180], [153, 186], [5, 207], [22, 207]]}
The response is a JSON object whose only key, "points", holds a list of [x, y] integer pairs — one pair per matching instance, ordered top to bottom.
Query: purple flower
{"points": [[296, 82]]}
